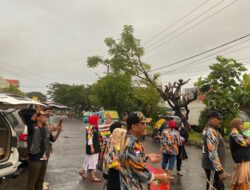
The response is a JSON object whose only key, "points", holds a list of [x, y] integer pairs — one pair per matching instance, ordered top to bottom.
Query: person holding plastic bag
{"points": [[133, 169]]}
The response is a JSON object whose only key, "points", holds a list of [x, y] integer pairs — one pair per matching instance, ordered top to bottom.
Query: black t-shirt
{"points": [[96, 143], [239, 153]]}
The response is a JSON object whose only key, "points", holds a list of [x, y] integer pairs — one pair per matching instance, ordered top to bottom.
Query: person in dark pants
{"points": [[30, 117], [115, 149], [38, 152], [213, 153], [182, 155]]}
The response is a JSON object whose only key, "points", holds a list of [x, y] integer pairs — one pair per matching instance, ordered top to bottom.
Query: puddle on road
{"points": [[69, 179]]}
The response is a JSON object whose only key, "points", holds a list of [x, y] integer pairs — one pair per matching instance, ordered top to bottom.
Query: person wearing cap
{"points": [[31, 121], [170, 143], [39, 149], [240, 150], [213, 152], [133, 171]]}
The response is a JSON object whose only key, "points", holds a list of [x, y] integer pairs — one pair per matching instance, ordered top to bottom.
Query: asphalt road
{"points": [[68, 154]]}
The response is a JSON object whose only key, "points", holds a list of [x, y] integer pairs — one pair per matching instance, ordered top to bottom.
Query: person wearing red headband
{"points": [[170, 143], [92, 149]]}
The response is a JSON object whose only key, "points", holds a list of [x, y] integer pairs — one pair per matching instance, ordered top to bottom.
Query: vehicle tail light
{"points": [[23, 137]]}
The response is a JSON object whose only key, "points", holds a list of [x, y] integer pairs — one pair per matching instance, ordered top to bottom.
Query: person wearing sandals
{"points": [[92, 149], [240, 150]]}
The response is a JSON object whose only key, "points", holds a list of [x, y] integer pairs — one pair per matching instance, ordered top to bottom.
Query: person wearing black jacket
{"points": [[30, 117], [39, 149], [240, 150], [182, 155]]}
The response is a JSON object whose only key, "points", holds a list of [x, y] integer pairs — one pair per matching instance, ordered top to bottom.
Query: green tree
{"points": [[126, 57], [222, 89], [13, 90], [114, 92], [245, 94], [75, 96], [41, 97], [147, 100]]}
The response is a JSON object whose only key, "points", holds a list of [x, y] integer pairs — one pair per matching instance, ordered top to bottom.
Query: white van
{"points": [[196, 107], [9, 157]]}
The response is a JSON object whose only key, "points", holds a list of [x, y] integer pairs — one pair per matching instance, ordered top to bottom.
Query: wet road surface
{"points": [[68, 154]]}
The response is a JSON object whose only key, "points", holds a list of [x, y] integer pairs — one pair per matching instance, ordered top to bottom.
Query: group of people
{"points": [[40, 139], [125, 160]]}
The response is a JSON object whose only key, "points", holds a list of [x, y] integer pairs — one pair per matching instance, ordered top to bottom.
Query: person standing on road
{"points": [[31, 120], [52, 137], [170, 143], [92, 149], [113, 150], [240, 150], [213, 152], [38, 153], [182, 154], [133, 171]]}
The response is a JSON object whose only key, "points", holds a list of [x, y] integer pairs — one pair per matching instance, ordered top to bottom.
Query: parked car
{"points": [[15, 118], [9, 156]]}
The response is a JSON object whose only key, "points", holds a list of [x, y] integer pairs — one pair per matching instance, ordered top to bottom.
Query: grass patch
{"points": [[195, 137]]}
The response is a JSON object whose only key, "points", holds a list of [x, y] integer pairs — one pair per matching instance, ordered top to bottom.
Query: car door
{"points": [[8, 148], [9, 156]]}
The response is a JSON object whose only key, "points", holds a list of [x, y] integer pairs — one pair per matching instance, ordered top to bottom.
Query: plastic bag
{"points": [[156, 185]]}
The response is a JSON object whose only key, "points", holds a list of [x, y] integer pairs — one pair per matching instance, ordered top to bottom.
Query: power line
{"points": [[198, 16], [210, 16], [169, 27], [215, 53], [199, 54], [176, 69], [200, 70]]}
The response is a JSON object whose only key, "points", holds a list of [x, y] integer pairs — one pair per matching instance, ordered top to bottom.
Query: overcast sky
{"points": [[45, 41]]}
